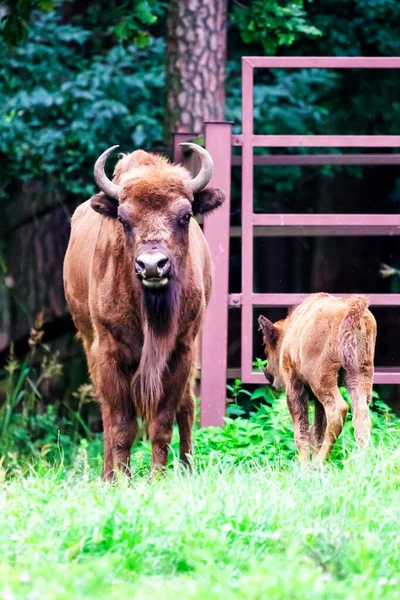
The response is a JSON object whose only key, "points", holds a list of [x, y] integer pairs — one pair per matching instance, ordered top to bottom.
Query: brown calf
{"points": [[308, 353]]}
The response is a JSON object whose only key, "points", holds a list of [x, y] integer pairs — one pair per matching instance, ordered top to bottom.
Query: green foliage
{"points": [[141, 14], [132, 18], [15, 22], [272, 23], [72, 90], [316, 102], [61, 108], [260, 364], [36, 421], [268, 432], [266, 435]]}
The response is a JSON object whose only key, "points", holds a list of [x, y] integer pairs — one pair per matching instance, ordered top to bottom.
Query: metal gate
{"points": [[219, 142]]}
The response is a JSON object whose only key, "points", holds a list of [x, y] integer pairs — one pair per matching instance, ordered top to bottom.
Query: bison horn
{"points": [[207, 167], [106, 186]]}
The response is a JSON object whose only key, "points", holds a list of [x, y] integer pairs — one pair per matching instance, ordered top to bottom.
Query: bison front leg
{"points": [[178, 402], [117, 410], [185, 419], [120, 429], [160, 434]]}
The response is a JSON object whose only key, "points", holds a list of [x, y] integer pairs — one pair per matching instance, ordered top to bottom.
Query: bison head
{"points": [[154, 201], [272, 337]]}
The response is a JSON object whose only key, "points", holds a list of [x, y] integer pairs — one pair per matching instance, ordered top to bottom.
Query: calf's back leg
{"points": [[358, 361], [360, 388], [335, 411]]}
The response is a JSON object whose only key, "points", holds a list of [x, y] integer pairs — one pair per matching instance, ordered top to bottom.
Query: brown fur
{"points": [[140, 346], [307, 352]]}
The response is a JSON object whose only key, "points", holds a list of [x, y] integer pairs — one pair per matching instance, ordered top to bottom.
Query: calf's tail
{"points": [[357, 305]]}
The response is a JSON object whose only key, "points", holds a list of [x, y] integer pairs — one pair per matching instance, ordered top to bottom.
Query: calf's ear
{"points": [[207, 200], [106, 206], [270, 332]]}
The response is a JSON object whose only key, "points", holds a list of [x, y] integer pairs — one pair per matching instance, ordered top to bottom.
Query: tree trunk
{"points": [[196, 56], [35, 232]]}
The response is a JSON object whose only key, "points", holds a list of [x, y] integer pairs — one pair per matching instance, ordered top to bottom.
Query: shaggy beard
{"points": [[161, 308]]}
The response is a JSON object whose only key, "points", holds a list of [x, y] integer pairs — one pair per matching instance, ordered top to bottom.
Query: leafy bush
{"points": [[272, 24], [63, 104], [36, 421], [268, 434]]}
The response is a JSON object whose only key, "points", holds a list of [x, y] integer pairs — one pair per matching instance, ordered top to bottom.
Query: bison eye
{"points": [[185, 220], [124, 224]]}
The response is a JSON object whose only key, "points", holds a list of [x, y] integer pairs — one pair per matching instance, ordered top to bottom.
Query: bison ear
{"points": [[207, 200], [106, 206], [270, 332]]}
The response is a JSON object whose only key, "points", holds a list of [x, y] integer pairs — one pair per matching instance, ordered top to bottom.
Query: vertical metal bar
{"points": [[247, 216], [214, 347]]}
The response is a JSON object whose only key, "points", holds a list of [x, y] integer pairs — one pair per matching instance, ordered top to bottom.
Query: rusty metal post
{"points": [[247, 218], [214, 348]]}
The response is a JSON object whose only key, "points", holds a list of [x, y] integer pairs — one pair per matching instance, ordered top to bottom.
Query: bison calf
{"points": [[309, 352]]}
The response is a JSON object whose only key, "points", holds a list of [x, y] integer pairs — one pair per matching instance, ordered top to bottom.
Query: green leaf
{"points": [[46, 4], [143, 39], [261, 392]]}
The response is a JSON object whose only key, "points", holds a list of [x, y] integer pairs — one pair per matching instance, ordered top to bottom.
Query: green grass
{"points": [[246, 531]]}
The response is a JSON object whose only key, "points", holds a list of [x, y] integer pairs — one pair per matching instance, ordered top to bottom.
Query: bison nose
{"points": [[152, 264], [268, 377]]}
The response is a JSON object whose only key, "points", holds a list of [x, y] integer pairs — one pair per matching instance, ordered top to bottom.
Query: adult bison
{"points": [[137, 278]]}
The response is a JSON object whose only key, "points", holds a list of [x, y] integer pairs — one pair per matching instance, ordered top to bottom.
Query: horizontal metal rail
{"points": [[323, 62], [320, 141], [320, 159], [325, 220], [305, 224], [317, 231], [292, 299], [382, 375], [387, 375]]}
